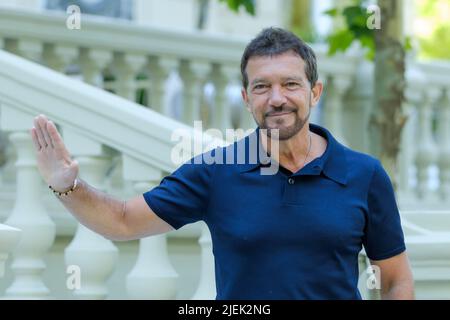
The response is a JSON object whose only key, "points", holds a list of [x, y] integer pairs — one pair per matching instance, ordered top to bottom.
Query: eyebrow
{"points": [[299, 79], [258, 80], [261, 80]]}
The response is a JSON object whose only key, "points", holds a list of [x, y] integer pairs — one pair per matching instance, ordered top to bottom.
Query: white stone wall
{"points": [[23, 4], [183, 15], [184, 254]]}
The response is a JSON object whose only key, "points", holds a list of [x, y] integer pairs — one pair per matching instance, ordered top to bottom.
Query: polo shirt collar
{"points": [[334, 160], [332, 163]]}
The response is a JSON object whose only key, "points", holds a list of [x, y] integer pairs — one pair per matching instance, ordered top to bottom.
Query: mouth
{"points": [[279, 114]]}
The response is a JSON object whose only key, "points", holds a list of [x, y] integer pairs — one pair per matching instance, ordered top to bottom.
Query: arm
{"points": [[112, 218], [396, 278]]}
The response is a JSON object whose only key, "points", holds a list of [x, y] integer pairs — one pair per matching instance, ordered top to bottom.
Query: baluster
{"points": [[28, 49], [57, 57], [92, 63], [126, 67], [159, 70], [193, 75], [221, 76], [415, 84], [334, 105], [444, 145], [406, 152], [3, 154], [426, 154], [28, 214], [9, 238], [92, 253], [153, 276], [362, 278], [206, 289]]}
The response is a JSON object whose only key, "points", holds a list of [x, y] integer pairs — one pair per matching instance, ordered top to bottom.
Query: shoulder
{"points": [[361, 161], [208, 162], [363, 167]]}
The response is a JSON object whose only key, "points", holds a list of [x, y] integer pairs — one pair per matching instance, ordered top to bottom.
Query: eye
{"points": [[292, 85], [260, 88]]}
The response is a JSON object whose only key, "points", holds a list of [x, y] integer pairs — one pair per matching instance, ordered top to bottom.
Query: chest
{"points": [[309, 211]]}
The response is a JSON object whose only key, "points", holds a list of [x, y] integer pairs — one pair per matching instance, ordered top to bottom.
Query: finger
{"points": [[42, 120], [45, 130], [39, 134], [55, 137], [35, 140]]}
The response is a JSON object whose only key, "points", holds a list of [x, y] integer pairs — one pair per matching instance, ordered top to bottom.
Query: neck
{"points": [[294, 152]]}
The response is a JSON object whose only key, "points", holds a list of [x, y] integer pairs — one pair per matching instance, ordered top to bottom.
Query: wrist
{"points": [[67, 191]]}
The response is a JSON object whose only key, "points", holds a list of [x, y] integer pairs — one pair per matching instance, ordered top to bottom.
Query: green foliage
{"points": [[235, 5], [428, 8], [355, 29], [434, 40], [408, 44], [437, 46]]}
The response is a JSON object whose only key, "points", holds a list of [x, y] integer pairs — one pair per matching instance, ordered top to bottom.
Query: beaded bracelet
{"points": [[65, 193]]}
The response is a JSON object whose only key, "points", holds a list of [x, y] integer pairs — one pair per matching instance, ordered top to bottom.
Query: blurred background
{"points": [[120, 76]]}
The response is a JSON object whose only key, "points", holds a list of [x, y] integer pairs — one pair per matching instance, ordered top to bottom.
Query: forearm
{"points": [[96, 210], [400, 291]]}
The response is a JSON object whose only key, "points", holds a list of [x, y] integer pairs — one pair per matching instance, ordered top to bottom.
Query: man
{"points": [[294, 234]]}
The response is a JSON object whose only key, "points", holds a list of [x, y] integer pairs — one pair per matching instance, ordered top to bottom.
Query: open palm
{"points": [[53, 160]]}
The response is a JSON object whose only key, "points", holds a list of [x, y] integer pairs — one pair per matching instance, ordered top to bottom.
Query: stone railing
{"points": [[143, 65], [164, 70], [169, 72], [195, 76], [96, 125], [114, 126], [425, 158], [9, 237], [428, 239]]}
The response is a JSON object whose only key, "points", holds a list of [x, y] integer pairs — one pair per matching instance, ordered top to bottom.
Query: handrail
{"points": [[96, 32], [224, 49], [135, 131]]}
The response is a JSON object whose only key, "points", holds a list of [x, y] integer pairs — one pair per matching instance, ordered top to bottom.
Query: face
{"points": [[279, 94]]}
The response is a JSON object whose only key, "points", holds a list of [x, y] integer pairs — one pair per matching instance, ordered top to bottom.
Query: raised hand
{"points": [[53, 160]]}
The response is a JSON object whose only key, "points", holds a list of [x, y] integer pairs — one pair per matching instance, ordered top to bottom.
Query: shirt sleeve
{"points": [[182, 197], [384, 235]]}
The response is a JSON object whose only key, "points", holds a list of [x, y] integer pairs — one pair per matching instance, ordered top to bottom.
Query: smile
{"points": [[279, 114]]}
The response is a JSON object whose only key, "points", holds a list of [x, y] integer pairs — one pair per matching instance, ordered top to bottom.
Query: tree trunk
{"points": [[301, 17], [388, 117]]}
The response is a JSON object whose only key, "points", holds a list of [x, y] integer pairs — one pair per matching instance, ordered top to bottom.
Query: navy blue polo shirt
{"points": [[286, 235]]}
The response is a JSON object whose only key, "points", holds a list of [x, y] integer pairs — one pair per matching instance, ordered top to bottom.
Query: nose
{"points": [[277, 98]]}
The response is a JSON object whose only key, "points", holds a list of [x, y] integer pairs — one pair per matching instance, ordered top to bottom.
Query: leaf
{"points": [[234, 5], [250, 7], [332, 12], [355, 16], [340, 41], [368, 42], [408, 44]]}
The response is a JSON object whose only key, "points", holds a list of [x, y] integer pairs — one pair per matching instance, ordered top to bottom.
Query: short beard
{"points": [[289, 132]]}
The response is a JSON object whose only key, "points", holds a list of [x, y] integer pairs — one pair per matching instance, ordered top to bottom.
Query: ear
{"points": [[316, 93], [245, 98]]}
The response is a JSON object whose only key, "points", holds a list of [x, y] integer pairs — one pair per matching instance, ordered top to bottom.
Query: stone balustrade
{"points": [[164, 70], [169, 72], [41, 89], [425, 153], [9, 238]]}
